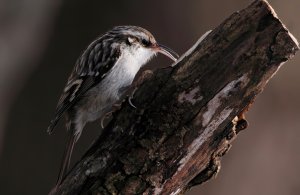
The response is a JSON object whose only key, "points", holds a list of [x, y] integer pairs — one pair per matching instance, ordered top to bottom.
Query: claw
{"points": [[131, 97], [130, 102], [102, 121]]}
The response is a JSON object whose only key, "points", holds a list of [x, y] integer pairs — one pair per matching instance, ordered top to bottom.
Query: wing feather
{"points": [[91, 68]]}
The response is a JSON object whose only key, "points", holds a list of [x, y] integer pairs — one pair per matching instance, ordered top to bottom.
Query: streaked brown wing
{"points": [[91, 68]]}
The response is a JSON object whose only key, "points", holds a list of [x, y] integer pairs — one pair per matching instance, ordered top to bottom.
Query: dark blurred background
{"points": [[39, 43]]}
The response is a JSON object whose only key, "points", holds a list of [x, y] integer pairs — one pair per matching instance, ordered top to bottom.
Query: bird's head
{"points": [[141, 42]]}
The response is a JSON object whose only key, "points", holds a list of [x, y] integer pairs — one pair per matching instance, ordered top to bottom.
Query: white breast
{"points": [[125, 69], [107, 92]]}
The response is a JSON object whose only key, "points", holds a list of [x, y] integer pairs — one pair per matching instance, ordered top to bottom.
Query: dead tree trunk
{"points": [[185, 117]]}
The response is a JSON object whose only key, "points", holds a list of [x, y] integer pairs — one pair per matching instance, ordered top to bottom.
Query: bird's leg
{"points": [[108, 114]]}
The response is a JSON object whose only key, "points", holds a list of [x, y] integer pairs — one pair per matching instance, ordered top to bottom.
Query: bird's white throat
{"points": [[133, 59], [125, 69]]}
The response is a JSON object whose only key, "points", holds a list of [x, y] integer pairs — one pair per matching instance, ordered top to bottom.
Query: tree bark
{"points": [[186, 115]]}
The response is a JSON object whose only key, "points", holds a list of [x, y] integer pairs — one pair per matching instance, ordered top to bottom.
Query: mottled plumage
{"points": [[108, 65]]}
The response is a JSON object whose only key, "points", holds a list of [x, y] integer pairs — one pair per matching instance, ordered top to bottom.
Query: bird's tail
{"points": [[52, 125], [65, 164]]}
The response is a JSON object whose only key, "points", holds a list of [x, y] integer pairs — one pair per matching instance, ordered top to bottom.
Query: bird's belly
{"points": [[101, 98], [98, 105], [97, 108]]}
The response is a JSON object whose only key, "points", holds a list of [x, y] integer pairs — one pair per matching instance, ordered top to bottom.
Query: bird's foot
{"points": [[116, 106], [105, 116]]}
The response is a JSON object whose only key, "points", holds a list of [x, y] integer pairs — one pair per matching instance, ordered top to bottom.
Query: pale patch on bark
{"points": [[191, 96], [214, 104], [209, 125], [208, 131], [97, 165], [158, 190], [176, 192]]}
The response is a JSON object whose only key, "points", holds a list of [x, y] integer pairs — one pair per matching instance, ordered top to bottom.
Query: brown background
{"points": [[39, 43]]}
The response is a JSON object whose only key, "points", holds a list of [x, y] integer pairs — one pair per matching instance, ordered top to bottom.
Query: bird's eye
{"points": [[145, 42]]}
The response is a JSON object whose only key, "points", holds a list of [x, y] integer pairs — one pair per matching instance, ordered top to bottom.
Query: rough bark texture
{"points": [[185, 117]]}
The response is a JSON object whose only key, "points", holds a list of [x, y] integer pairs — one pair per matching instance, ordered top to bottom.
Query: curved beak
{"points": [[167, 52]]}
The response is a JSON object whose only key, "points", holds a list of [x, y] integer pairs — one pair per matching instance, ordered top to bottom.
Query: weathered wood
{"points": [[184, 120]]}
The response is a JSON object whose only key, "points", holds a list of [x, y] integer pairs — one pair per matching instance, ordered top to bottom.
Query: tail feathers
{"points": [[52, 125], [66, 158], [65, 164]]}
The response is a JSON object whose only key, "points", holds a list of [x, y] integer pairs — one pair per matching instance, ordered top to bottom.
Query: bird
{"points": [[99, 79]]}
